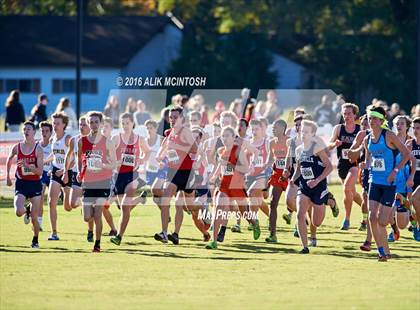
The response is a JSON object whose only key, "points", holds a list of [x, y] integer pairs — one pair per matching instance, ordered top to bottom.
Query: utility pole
{"points": [[79, 41]]}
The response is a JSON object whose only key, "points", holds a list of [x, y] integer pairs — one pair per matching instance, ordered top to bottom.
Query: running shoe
{"points": [[143, 197], [403, 201], [333, 204], [27, 216], [287, 218], [346, 225], [363, 226], [236, 228], [410, 228], [257, 230], [112, 233], [296, 233], [416, 233], [396, 234], [221, 235], [89, 236], [53, 237], [161, 237], [206, 237], [391, 237], [174, 238], [271, 239], [116, 240], [313, 242], [35, 245], [211, 245], [366, 246], [96, 249], [305, 250], [388, 256], [382, 258]]}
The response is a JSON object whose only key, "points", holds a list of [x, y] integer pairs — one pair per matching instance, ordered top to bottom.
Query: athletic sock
{"points": [[222, 230], [35, 239], [97, 243], [381, 251]]}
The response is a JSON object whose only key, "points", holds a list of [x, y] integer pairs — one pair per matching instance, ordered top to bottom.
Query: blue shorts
{"points": [[152, 176], [45, 179], [122, 180], [29, 189], [384, 194], [318, 195]]}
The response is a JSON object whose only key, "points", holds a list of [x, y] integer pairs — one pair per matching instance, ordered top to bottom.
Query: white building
{"points": [[38, 55]]}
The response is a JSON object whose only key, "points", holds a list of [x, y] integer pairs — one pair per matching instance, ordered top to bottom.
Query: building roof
{"points": [[108, 41]]}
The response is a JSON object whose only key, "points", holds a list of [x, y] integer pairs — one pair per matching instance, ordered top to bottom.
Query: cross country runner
{"points": [[414, 146], [96, 160], [28, 177]]}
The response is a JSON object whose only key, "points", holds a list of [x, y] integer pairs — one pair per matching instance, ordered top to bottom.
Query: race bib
{"points": [[345, 153], [173, 156], [60, 160], [128, 160], [258, 162], [93, 163], [280, 163], [378, 164], [418, 165], [47, 166], [152, 168], [228, 170], [26, 171], [307, 173]]}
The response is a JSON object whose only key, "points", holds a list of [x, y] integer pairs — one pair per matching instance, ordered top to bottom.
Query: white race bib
{"points": [[345, 153], [173, 156], [60, 160], [128, 160], [258, 162], [93, 163], [280, 163], [378, 164], [418, 165], [47, 166], [152, 168], [228, 170], [26, 171], [307, 173]]}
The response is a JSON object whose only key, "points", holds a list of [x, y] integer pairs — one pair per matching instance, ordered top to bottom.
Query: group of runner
{"points": [[231, 169]]}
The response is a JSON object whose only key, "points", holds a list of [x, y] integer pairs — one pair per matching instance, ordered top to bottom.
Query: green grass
{"points": [[144, 274]]}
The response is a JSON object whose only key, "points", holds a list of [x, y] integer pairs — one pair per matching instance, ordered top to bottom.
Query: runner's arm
{"points": [[12, 154]]}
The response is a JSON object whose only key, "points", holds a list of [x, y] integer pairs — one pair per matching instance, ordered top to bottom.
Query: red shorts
{"points": [[277, 181]]}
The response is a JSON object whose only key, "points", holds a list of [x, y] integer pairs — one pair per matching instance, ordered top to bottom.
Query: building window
{"points": [[23, 85], [89, 86]]}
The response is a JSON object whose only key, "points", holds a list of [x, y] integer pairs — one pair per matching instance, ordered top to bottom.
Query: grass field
{"points": [[145, 274]]}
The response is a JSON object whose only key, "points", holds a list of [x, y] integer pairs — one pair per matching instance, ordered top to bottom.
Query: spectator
{"points": [[244, 100], [65, 106], [131, 106], [236, 107], [219, 108], [271, 108], [112, 110], [259, 110], [39, 111], [395, 111], [415, 111], [324, 114], [15, 115], [141, 116], [205, 116], [195, 118], [163, 124]]}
